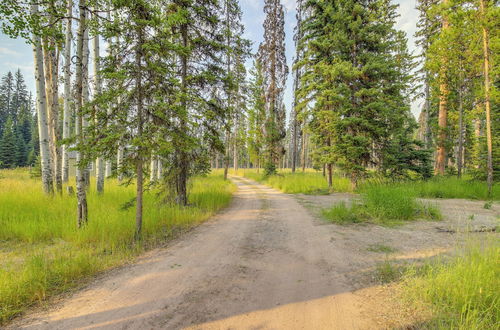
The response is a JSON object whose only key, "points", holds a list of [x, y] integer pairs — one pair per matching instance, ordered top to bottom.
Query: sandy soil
{"points": [[266, 262]]}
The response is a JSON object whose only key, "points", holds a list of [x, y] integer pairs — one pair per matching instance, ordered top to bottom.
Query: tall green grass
{"points": [[310, 182], [313, 182], [452, 187], [383, 205], [43, 252], [461, 294]]}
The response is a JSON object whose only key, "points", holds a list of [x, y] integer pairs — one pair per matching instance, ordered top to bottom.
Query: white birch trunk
{"points": [[51, 63], [97, 80], [85, 90], [67, 93], [43, 128], [119, 162], [154, 169], [159, 171], [82, 212]]}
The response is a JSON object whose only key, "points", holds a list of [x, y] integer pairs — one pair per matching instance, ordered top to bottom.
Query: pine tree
{"points": [[428, 27], [199, 44], [236, 51], [272, 58], [356, 73], [6, 93], [19, 96], [8, 150], [21, 152]]}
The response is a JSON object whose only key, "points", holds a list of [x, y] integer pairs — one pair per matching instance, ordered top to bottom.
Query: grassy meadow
{"points": [[313, 182], [43, 253]]}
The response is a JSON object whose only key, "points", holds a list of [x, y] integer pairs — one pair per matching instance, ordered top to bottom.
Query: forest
{"points": [[149, 117]]}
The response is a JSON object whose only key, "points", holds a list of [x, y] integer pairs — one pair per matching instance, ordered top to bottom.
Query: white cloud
{"points": [[8, 52]]}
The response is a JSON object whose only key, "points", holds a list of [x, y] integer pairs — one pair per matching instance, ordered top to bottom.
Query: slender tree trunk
{"points": [[298, 56], [51, 62], [487, 87], [67, 92], [85, 92], [229, 94], [443, 110], [140, 122], [43, 129], [427, 131], [294, 143], [235, 147], [304, 147], [460, 152], [181, 153], [226, 156], [235, 158], [119, 162], [99, 164], [154, 169], [159, 169], [108, 172], [330, 175], [81, 194]]}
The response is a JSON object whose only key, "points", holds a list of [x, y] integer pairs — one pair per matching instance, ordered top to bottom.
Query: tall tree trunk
{"points": [[51, 62], [487, 87], [67, 92], [86, 92], [229, 109], [443, 109], [140, 122], [295, 125], [43, 129], [427, 131], [294, 143], [304, 147], [181, 153], [460, 153], [227, 154], [235, 158], [119, 162], [99, 164], [109, 168], [153, 169], [159, 169], [330, 175], [81, 194]]}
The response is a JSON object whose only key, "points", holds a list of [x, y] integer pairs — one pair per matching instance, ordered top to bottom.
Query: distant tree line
{"points": [[18, 133]]}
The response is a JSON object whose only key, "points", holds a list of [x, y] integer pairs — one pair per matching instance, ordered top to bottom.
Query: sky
{"points": [[16, 54]]}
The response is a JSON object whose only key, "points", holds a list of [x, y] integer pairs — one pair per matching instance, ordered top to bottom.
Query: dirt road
{"points": [[264, 263]]}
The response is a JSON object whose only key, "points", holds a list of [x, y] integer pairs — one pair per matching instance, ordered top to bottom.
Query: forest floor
{"points": [[268, 261]]}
